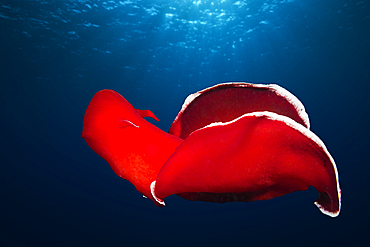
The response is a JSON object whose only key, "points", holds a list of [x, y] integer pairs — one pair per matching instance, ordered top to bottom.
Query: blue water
{"points": [[55, 191]]}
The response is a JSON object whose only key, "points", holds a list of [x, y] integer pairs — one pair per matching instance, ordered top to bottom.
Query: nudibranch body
{"points": [[229, 142], [135, 149]]}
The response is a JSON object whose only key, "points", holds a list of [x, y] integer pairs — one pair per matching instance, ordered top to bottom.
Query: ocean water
{"points": [[55, 55]]}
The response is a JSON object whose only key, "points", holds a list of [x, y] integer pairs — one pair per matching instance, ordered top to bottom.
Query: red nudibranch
{"points": [[230, 142]]}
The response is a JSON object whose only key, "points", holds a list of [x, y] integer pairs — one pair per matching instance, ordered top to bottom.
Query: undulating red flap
{"points": [[227, 101], [258, 156]]}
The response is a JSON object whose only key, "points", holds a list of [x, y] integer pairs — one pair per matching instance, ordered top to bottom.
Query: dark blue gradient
{"points": [[55, 55]]}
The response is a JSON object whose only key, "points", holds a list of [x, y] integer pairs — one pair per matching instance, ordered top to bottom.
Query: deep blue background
{"points": [[55, 55]]}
